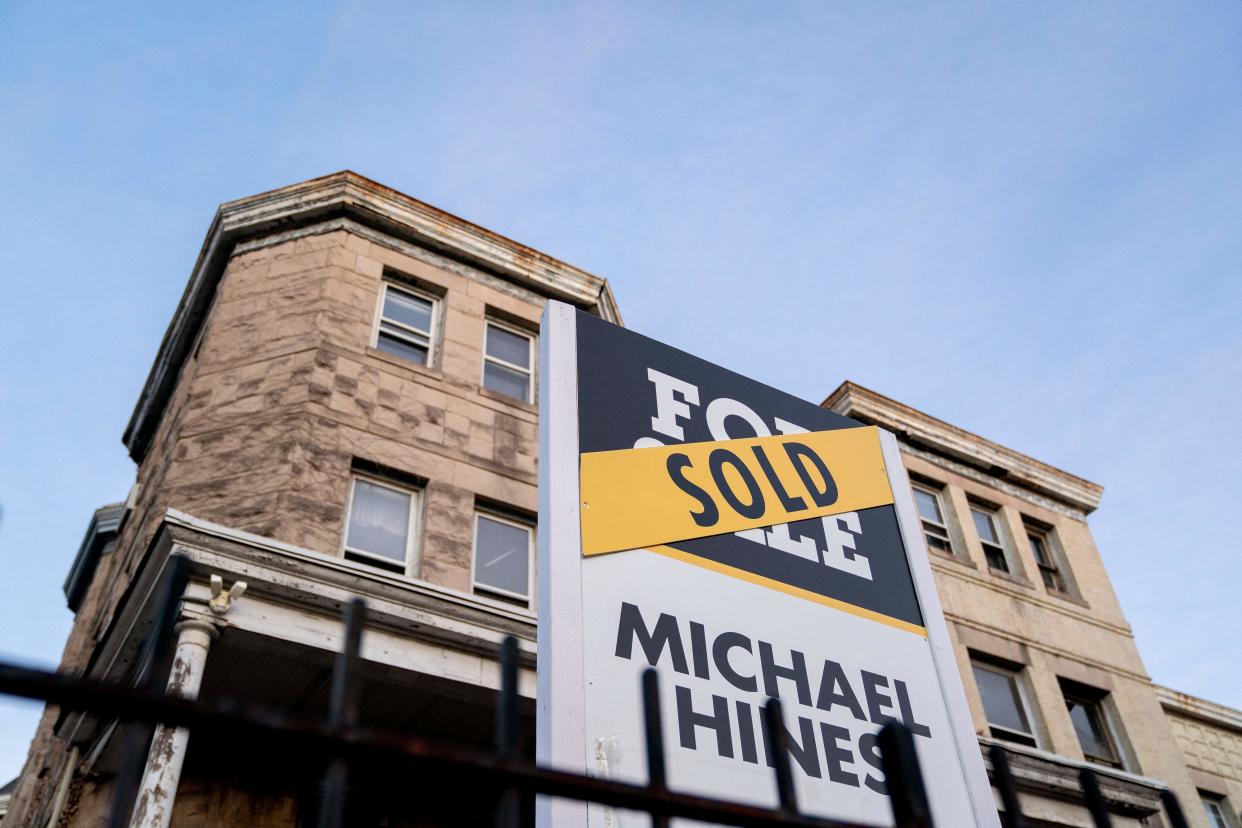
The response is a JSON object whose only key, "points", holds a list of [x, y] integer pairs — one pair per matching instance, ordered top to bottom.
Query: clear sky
{"points": [[1021, 218]]}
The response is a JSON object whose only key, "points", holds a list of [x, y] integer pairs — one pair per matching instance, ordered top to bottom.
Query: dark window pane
{"points": [[408, 309], [508, 346], [399, 347], [506, 381], [929, 506], [379, 521], [936, 540], [502, 556], [996, 557], [1047, 566], [1053, 580], [1001, 699], [1092, 735]]}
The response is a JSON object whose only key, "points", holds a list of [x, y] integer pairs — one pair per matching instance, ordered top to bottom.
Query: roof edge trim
{"points": [[344, 193], [924, 430], [1197, 708]]}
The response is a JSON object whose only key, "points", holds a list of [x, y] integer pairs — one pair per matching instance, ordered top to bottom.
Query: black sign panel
{"points": [[624, 397]]}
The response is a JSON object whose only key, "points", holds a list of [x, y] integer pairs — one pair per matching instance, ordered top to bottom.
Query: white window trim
{"points": [[415, 333], [531, 352], [944, 513], [998, 529], [412, 530], [486, 590], [1023, 699], [1211, 801]]}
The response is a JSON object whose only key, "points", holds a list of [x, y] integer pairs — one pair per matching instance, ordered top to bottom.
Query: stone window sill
{"points": [[384, 356], [507, 400], [1016, 580]]}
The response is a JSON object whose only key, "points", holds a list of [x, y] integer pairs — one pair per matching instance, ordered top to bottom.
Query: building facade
{"points": [[343, 406], [1049, 663], [1209, 738]]}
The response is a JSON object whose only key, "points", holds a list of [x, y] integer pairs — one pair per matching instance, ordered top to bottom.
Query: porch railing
{"points": [[340, 737]]}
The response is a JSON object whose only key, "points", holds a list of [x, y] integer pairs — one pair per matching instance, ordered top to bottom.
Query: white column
{"points": [[154, 805]]}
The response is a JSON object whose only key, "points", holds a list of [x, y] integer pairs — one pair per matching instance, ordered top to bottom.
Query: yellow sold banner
{"points": [[637, 498]]}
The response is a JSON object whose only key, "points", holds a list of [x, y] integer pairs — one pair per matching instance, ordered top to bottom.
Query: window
{"points": [[405, 324], [508, 361], [931, 514], [380, 526], [989, 535], [1040, 540], [502, 557], [1004, 702], [1087, 713], [1217, 810]]}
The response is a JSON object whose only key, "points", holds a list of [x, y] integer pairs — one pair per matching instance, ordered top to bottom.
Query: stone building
{"points": [[343, 405], [1048, 660], [1209, 737]]}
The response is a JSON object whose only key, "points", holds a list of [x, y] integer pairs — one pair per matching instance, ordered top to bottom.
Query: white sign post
{"points": [[836, 614]]}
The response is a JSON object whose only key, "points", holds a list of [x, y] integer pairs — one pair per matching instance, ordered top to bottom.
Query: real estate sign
{"points": [[746, 544]]}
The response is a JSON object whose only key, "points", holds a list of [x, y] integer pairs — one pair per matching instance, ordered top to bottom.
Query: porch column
{"points": [[154, 805]]}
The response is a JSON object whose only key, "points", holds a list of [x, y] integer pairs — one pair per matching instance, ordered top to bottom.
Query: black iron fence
{"points": [[340, 737]]}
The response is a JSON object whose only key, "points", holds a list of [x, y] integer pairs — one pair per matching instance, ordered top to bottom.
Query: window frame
{"points": [[407, 333], [532, 357], [938, 494], [993, 514], [413, 528], [1053, 567], [496, 593], [1017, 677], [1088, 697], [1224, 812]]}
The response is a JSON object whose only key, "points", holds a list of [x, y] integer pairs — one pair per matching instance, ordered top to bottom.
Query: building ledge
{"points": [[345, 194], [925, 432], [103, 528], [335, 572], [284, 581], [1196, 708], [1052, 775]]}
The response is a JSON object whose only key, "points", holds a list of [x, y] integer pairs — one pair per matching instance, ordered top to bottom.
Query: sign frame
{"points": [[561, 739]]}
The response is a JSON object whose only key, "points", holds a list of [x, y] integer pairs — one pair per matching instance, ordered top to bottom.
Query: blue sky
{"points": [[1023, 219]]}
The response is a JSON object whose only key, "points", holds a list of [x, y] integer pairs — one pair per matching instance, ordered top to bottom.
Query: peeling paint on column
{"points": [[158, 791]]}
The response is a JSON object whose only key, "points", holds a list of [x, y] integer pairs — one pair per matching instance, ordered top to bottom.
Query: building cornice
{"points": [[345, 194], [922, 431], [105, 523], [1194, 707], [1049, 774]]}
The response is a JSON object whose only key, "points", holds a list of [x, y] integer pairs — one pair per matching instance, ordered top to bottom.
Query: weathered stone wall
{"points": [[284, 392], [1082, 636], [1210, 739], [1213, 749]]}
